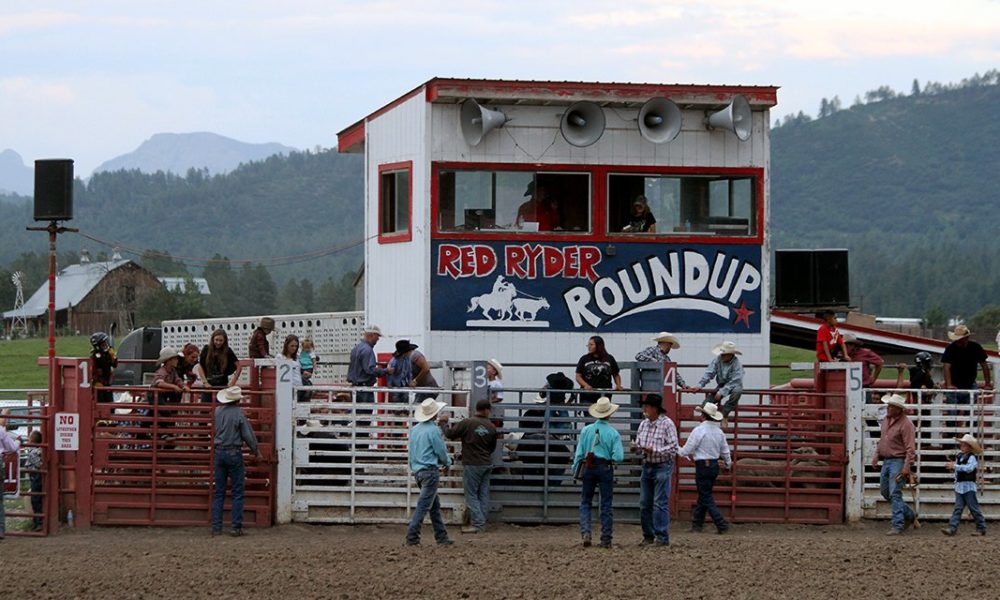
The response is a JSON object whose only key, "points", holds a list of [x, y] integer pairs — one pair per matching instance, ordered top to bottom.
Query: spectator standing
{"points": [[828, 339], [259, 346], [289, 358], [103, 360], [961, 360], [218, 362], [871, 363], [188, 368], [401, 368], [362, 370], [597, 370], [727, 371], [422, 377], [232, 430], [479, 441], [656, 442], [8, 444], [706, 446], [599, 447], [897, 450], [427, 455], [33, 463], [964, 467]]}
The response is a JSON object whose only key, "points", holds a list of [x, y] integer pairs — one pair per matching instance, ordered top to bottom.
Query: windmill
{"points": [[19, 321]]}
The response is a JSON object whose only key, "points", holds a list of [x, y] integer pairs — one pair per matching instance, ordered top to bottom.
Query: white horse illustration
{"points": [[499, 300], [526, 309]]}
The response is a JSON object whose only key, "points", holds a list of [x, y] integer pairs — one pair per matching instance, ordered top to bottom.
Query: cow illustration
{"points": [[526, 309]]}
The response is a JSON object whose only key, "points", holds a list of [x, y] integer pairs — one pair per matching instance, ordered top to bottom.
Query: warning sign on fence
{"points": [[67, 431]]}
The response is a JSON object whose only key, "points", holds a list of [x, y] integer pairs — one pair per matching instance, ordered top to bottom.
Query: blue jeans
{"points": [[228, 465], [705, 474], [598, 477], [427, 481], [476, 481], [892, 491], [654, 500], [961, 501]]}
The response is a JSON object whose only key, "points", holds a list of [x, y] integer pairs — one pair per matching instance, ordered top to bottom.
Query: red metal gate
{"points": [[789, 458]]}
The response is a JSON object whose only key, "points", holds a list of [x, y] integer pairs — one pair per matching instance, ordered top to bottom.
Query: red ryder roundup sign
{"points": [[566, 286]]}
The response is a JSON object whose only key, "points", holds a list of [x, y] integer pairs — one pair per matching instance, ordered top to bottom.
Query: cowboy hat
{"points": [[266, 323], [373, 329], [960, 331], [664, 336], [850, 338], [404, 346], [726, 347], [166, 354], [498, 366], [230, 394], [653, 400], [894, 400], [603, 408], [427, 410], [710, 410], [972, 441]]}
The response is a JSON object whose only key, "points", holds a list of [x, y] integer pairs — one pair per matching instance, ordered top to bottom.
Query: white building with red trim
{"points": [[465, 257]]}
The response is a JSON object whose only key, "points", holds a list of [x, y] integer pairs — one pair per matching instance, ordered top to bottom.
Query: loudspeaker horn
{"points": [[736, 118], [659, 120], [477, 121], [582, 124]]}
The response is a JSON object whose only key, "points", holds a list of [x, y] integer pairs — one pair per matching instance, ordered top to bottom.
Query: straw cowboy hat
{"points": [[373, 329], [960, 331], [665, 336], [850, 338], [726, 347], [166, 354], [496, 365], [230, 394], [894, 400], [603, 408], [427, 410], [710, 410], [972, 441]]}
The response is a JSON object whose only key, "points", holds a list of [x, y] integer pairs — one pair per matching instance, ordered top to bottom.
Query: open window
{"points": [[395, 201], [515, 201], [723, 205]]}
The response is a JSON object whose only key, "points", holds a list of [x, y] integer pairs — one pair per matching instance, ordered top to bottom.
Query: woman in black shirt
{"points": [[641, 220], [219, 363], [596, 370]]}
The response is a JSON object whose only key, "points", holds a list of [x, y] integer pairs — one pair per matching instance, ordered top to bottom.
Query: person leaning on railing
{"points": [[9, 443]]}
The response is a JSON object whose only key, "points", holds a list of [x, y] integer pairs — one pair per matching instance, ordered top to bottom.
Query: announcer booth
{"points": [[514, 219]]}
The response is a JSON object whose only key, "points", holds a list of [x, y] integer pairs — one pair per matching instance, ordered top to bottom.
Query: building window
{"points": [[395, 193], [513, 201], [707, 205]]}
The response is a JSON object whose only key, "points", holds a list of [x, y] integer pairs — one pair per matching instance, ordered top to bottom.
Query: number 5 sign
{"points": [[67, 432]]}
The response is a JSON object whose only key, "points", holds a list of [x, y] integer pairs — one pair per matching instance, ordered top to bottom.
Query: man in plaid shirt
{"points": [[656, 441]]}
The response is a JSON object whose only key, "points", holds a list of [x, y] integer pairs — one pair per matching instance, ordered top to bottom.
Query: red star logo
{"points": [[743, 314]]}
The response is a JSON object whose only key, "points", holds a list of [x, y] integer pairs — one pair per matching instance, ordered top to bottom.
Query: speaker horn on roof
{"points": [[736, 118], [659, 120], [476, 121], [582, 124]]}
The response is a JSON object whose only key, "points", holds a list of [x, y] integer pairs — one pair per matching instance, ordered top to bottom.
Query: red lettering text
{"points": [[465, 261]]}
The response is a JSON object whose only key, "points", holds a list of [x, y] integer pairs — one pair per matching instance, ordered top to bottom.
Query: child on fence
{"points": [[33, 463], [964, 467]]}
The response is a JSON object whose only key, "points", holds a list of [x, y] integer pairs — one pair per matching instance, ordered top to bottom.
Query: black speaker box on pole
{"points": [[54, 189], [811, 278]]}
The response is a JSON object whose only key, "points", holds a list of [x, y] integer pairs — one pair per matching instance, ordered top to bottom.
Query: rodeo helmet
{"points": [[100, 338], [923, 359]]}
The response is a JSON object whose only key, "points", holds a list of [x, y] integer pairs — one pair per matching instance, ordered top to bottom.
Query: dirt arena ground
{"points": [[302, 561]]}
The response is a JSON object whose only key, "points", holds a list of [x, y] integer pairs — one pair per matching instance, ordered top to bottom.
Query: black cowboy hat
{"points": [[404, 346], [653, 400]]}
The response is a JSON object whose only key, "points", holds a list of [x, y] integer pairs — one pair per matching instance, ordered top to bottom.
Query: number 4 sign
{"points": [[67, 432]]}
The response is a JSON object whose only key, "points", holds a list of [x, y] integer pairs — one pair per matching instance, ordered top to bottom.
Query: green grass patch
{"points": [[784, 355], [19, 359]]}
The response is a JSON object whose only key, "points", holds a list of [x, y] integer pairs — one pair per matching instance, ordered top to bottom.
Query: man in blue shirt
{"points": [[362, 371], [727, 372], [599, 447], [428, 454]]}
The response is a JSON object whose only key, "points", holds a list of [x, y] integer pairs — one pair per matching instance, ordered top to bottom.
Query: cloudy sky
{"points": [[92, 80]]}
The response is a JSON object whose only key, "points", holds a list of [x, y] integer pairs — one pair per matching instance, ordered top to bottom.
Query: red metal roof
{"points": [[557, 92]]}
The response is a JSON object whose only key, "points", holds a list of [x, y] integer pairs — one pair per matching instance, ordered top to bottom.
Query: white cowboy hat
{"points": [[373, 329], [960, 331], [665, 336], [850, 338], [726, 347], [166, 354], [498, 366], [230, 394], [124, 398], [894, 400], [603, 408], [428, 409], [710, 410], [969, 439]]}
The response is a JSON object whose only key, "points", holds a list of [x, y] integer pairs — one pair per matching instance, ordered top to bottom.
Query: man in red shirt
{"points": [[538, 209], [828, 338], [871, 363]]}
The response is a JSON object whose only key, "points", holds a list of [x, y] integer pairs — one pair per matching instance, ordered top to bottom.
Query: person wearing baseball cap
{"points": [[363, 371], [897, 451], [964, 467]]}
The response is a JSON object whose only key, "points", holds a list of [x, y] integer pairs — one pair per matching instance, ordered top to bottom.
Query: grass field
{"points": [[19, 359]]}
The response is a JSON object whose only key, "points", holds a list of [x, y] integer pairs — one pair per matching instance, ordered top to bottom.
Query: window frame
{"points": [[599, 180], [400, 236]]}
